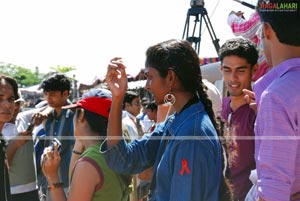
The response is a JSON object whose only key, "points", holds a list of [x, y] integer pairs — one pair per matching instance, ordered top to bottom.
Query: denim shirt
{"points": [[62, 128], [185, 152]]}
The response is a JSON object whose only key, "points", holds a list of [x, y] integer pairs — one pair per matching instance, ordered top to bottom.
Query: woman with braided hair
{"points": [[184, 149]]}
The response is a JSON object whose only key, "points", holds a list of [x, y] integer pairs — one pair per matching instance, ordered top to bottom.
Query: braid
{"points": [[180, 56], [208, 106], [225, 189]]}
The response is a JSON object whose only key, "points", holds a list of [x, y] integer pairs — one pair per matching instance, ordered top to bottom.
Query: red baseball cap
{"points": [[97, 101]]}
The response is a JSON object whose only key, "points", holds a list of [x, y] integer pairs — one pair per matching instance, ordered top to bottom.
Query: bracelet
{"points": [[76, 152], [55, 185]]}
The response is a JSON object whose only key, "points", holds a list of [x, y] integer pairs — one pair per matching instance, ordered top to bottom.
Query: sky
{"points": [[86, 34]]}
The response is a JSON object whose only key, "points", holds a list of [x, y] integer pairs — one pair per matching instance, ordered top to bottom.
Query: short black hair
{"points": [[286, 24], [240, 47], [13, 82], [56, 82], [129, 96], [145, 101], [151, 106], [97, 122]]}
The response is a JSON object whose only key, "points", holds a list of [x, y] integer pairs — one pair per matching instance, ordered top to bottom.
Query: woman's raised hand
{"points": [[116, 77]]}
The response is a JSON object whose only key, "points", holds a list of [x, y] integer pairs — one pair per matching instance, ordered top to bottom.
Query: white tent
{"points": [[136, 84], [34, 88], [32, 94]]}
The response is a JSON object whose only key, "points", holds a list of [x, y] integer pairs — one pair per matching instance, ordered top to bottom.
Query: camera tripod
{"points": [[200, 13]]}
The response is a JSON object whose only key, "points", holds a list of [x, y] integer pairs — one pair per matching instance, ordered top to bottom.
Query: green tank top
{"points": [[113, 187]]}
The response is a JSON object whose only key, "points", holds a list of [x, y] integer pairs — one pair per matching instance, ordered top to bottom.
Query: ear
{"points": [[267, 30], [254, 69], [171, 77], [66, 93], [127, 105]]}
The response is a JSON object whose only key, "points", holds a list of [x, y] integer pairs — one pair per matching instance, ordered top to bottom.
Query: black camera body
{"points": [[30, 126], [54, 142]]}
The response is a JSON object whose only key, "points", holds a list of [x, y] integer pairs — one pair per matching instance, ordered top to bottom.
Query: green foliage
{"points": [[60, 69], [63, 69], [24, 76], [27, 77]]}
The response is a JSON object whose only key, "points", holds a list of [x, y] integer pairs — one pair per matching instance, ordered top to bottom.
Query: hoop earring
{"points": [[169, 99]]}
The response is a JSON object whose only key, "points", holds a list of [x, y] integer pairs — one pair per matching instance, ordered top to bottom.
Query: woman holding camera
{"points": [[91, 179]]}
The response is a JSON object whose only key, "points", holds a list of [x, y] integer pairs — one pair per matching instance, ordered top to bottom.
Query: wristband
{"points": [[76, 152], [55, 185]]}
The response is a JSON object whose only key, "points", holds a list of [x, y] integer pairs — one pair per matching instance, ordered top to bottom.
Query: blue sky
{"points": [[87, 34]]}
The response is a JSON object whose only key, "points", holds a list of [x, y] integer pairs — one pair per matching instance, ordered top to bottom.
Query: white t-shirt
{"points": [[215, 96], [22, 172]]}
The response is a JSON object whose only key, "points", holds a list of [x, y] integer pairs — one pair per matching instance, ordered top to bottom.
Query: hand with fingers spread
{"points": [[238, 13], [116, 77], [250, 99], [40, 116], [50, 161]]}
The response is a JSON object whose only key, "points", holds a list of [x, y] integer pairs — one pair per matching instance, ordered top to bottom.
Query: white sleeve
{"points": [[215, 96], [9, 131]]}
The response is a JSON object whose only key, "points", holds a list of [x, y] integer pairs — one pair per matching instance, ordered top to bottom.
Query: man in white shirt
{"points": [[20, 155]]}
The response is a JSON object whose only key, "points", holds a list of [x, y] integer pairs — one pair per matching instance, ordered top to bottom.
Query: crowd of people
{"points": [[183, 142]]}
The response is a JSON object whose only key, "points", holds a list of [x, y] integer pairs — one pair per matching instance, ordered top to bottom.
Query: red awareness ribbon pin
{"points": [[184, 167]]}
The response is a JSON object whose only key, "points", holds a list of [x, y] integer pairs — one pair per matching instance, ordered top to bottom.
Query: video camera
{"points": [[197, 3]]}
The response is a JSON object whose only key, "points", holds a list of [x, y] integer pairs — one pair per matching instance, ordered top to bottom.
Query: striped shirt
{"points": [[247, 29], [277, 129]]}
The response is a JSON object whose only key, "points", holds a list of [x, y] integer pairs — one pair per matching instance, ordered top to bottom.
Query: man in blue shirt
{"points": [[59, 123]]}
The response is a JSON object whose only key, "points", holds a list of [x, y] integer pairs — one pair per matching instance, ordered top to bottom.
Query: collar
{"points": [[276, 72], [189, 103], [65, 112], [130, 115], [175, 120]]}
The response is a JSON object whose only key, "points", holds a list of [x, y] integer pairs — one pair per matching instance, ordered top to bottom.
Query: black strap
{"points": [[192, 101], [5, 194]]}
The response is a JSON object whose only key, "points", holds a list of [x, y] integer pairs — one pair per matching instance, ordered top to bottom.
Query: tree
{"points": [[60, 69], [63, 69], [24, 76]]}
